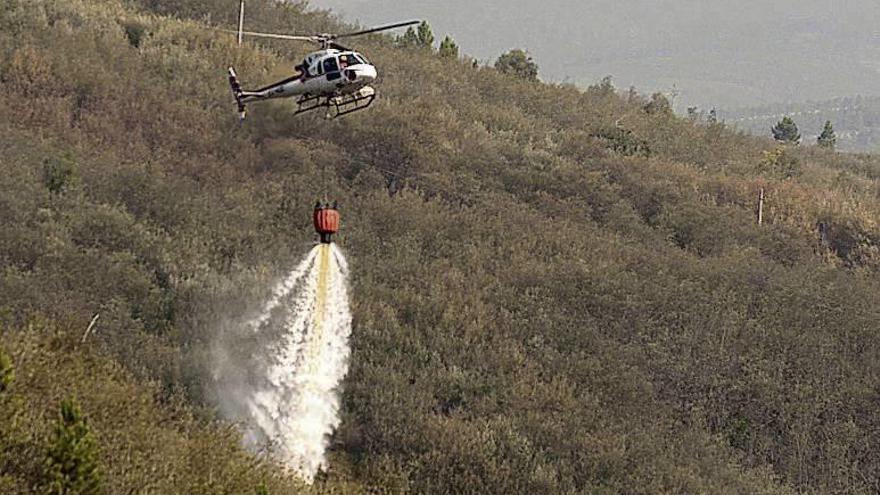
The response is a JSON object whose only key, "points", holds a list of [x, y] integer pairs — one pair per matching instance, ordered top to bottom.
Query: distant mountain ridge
{"points": [[722, 54], [856, 120]]}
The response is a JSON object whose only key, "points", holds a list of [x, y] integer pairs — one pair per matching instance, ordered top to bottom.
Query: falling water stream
{"points": [[291, 403]]}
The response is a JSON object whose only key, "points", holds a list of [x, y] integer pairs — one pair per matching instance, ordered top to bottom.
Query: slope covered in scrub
{"points": [[554, 290]]}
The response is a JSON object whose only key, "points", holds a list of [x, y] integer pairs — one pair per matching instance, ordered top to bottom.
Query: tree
{"points": [[425, 35], [420, 37], [409, 38], [448, 48], [518, 63], [786, 131], [828, 139], [71, 468]]}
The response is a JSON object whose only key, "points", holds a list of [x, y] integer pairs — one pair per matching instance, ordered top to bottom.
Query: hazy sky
{"points": [[723, 53]]}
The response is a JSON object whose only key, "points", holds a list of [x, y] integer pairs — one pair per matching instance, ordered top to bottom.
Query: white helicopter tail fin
{"points": [[237, 93]]}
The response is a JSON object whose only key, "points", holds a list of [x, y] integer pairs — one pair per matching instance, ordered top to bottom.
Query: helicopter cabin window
{"points": [[360, 58], [330, 65], [331, 68]]}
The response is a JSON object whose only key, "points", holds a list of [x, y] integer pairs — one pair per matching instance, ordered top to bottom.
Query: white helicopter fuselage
{"points": [[326, 73]]}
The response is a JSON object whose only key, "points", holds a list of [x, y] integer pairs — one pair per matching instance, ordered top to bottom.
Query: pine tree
{"points": [[425, 35], [420, 37], [409, 38], [448, 48], [519, 63], [786, 131], [828, 139], [71, 468]]}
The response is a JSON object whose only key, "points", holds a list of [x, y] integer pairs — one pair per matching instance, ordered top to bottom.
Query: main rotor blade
{"points": [[376, 29], [272, 35]]}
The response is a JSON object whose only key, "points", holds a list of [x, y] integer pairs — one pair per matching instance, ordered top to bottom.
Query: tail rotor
{"points": [[237, 93]]}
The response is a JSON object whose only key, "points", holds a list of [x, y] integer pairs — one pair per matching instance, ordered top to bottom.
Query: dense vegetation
{"points": [[555, 290]]}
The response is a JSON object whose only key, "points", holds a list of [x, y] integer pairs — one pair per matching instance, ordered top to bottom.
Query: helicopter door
{"points": [[331, 68]]}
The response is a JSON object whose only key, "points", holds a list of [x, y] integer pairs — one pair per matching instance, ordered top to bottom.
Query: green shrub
{"points": [[135, 32], [518, 63], [623, 141], [780, 163], [59, 173], [7, 374], [71, 468]]}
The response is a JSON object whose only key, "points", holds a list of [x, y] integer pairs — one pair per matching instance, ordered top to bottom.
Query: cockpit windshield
{"points": [[347, 59]]}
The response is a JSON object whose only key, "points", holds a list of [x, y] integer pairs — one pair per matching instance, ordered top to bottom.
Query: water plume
{"points": [[283, 385]]}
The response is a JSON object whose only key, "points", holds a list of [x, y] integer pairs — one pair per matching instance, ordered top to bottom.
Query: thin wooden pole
{"points": [[240, 21], [761, 207]]}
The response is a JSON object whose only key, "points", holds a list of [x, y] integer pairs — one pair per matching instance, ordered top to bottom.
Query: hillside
{"points": [[856, 120], [554, 290]]}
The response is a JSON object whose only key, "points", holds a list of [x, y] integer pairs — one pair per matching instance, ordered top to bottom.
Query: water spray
{"points": [[289, 400]]}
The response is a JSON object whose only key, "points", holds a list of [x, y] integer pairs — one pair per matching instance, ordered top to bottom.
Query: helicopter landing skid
{"points": [[309, 103], [337, 105], [342, 105]]}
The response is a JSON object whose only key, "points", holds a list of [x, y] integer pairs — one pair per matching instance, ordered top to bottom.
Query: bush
{"points": [[135, 32], [518, 63], [623, 141], [780, 163], [59, 173], [7, 374], [72, 465]]}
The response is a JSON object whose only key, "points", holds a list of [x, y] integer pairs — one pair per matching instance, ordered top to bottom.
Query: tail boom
{"points": [[286, 88]]}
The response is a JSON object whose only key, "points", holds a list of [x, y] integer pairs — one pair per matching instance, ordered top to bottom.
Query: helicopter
{"points": [[334, 77]]}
